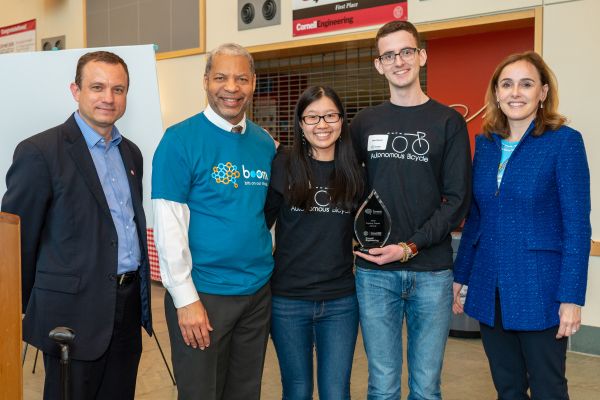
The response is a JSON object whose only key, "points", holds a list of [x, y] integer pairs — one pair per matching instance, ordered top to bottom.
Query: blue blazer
{"points": [[529, 238]]}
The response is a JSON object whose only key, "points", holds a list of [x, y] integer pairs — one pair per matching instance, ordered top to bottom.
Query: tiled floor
{"points": [[465, 376]]}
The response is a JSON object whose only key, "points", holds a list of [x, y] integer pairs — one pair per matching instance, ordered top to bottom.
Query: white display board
{"points": [[35, 96]]}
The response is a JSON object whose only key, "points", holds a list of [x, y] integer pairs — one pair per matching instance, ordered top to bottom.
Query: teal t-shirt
{"points": [[507, 150], [223, 178]]}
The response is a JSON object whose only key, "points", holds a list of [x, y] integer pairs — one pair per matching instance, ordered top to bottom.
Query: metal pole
{"points": [[64, 337]]}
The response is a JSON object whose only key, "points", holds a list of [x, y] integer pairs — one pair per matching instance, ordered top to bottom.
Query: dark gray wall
{"points": [[171, 24]]}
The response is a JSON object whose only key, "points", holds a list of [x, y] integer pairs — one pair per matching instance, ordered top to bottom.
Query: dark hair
{"points": [[395, 26], [230, 49], [98, 56], [546, 118], [346, 180]]}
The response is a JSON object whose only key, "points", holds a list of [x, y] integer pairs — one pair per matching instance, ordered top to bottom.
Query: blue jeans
{"points": [[387, 297], [331, 327]]}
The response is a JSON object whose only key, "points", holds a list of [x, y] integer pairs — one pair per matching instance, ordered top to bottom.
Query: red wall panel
{"points": [[459, 68]]}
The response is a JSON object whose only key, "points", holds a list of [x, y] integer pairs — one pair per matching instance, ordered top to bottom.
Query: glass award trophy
{"points": [[372, 224]]}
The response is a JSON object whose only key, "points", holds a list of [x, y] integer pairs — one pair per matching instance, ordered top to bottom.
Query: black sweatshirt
{"points": [[418, 160], [313, 249]]}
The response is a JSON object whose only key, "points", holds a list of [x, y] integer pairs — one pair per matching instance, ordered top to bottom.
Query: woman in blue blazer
{"points": [[525, 246]]}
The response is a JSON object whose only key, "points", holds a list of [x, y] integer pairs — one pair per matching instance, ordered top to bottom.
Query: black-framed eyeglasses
{"points": [[407, 54], [330, 118]]}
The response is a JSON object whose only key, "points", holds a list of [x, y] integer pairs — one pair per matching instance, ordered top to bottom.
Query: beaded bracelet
{"points": [[407, 252]]}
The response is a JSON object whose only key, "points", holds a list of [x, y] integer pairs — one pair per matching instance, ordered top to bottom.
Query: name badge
{"points": [[377, 142]]}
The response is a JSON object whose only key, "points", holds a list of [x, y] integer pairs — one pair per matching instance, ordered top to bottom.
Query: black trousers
{"points": [[521, 360], [231, 367], [113, 375]]}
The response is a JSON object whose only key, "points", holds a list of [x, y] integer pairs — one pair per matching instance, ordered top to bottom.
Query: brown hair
{"points": [[395, 26], [98, 56], [546, 118]]}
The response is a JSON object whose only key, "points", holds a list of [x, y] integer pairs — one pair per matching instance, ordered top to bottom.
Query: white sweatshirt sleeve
{"points": [[171, 226]]}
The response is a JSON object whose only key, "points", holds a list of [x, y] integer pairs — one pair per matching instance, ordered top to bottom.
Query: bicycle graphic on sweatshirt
{"points": [[419, 145]]}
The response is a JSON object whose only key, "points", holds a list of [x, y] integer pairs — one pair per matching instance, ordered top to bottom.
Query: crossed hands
{"points": [[194, 325]]}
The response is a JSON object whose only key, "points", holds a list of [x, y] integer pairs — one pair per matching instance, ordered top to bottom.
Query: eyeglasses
{"points": [[406, 54], [330, 118]]}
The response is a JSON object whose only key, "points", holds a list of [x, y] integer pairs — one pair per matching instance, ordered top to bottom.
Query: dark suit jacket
{"points": [[69, 241]]}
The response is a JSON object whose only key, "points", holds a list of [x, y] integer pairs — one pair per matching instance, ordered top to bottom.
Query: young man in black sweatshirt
{"points": [[417, 155]]}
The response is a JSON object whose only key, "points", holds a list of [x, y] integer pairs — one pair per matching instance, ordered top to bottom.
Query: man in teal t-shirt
{"points": [[210, 179]]}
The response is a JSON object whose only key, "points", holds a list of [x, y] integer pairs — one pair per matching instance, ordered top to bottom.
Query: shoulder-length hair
{"points": [[546, 118], [346, 180]]}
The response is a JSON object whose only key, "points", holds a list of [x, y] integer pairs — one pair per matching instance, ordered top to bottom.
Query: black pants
{"points": [[525, 359], [231, 367], [113, 375]]}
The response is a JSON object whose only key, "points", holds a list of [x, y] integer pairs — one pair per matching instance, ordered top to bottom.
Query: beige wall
{"points": [[438, 10], [54, 18], [571, 34], [181, 87]]}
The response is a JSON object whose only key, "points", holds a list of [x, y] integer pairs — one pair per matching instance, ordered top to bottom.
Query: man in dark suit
{"points": [[77, 188]]}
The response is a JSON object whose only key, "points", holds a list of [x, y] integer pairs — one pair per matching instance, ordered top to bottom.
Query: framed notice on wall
{"points": [[318, 16], [18, 38]]}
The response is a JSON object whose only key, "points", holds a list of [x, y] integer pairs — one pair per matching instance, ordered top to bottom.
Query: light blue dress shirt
{"points": [[113, 177]]}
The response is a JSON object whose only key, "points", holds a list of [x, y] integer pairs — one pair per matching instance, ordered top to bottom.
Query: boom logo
{"points": [[226, 173], [258, 174]]}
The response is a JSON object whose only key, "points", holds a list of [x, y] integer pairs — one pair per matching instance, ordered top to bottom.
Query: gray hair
{"points": [[231, 49]]}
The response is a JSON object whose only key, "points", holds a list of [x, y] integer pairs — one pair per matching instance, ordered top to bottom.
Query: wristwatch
{"points": [[413, 249]]}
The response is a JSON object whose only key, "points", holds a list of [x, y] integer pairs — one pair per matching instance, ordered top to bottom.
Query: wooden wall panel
{"points": [[11, 377]]}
